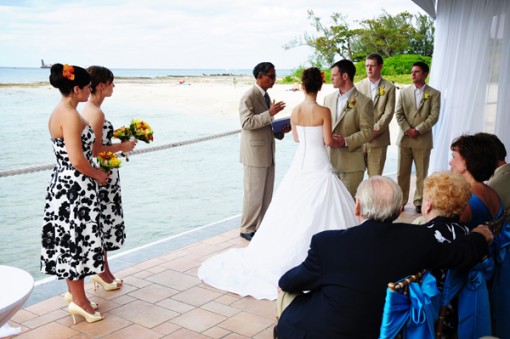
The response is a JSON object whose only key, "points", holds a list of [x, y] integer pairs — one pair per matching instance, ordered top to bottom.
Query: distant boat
{"points": [[43, 65]]}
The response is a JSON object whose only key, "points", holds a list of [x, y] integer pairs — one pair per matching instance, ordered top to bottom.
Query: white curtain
{"points": [[471, 68]]}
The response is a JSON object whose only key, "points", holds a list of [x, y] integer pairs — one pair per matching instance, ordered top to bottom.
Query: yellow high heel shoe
{"points": [[97, 280], [68, 297], [74, 309]]}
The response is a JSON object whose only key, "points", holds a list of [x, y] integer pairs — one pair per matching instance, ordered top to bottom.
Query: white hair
{"points": [[380, 199]]}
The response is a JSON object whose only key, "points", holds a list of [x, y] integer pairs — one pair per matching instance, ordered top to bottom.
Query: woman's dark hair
{"points": [[99, 74], [312, 79], [65, 84], [497, 146], [480, 158]]}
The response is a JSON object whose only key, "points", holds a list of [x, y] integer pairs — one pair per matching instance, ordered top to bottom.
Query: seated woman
{"points": [[473, 158], [445, 196]]}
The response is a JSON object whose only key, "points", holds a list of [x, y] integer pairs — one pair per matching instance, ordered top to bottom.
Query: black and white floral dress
{"points": [[112, 219], [71, 237]]}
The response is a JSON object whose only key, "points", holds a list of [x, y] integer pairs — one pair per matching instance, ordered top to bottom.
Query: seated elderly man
{"points": [[346, 272]]}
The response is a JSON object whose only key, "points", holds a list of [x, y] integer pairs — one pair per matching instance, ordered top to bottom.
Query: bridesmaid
{"points": [[111, 220], [71, 240]]}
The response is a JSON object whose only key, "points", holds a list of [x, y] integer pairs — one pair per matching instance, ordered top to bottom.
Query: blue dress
{"points": [[480, 212], [475, 295]]}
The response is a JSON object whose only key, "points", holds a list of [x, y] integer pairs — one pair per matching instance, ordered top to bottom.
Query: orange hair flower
{"points": [[68, 71], [323, 78]]}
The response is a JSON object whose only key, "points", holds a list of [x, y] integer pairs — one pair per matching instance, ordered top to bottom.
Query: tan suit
{"points": [[384, 107], [355, 124], [416, 149], [257, 156], [500, 181]]}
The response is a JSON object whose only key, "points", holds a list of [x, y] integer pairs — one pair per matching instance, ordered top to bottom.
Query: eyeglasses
{"points": [[271, 76]]}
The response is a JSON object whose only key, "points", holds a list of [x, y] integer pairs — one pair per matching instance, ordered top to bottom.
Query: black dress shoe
{"points": [[418, 209], [247, 236]]}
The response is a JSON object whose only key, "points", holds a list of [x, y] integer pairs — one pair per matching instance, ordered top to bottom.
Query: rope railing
{"points": [[46, 167]]}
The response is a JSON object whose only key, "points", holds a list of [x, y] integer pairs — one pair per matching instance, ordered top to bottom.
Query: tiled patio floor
{"points": [[161, 297]]}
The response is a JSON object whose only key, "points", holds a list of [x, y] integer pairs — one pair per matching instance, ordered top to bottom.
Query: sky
{"points": [[175, 34]]}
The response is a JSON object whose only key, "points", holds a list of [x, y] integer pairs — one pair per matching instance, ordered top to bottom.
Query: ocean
{"points": [[26, 75], [164, 193]]}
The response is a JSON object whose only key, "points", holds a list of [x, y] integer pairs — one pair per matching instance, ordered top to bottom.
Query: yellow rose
{"points": [[381, 91]]}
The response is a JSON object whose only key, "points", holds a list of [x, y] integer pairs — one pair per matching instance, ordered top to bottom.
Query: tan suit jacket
{"points": [[384, 108], [422, 118], [355, 124], [257, 139], [500, 181]]}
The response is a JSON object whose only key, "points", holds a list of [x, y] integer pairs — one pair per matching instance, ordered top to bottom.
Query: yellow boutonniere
{"points": [[382, 92], [425, 97], [350, 104]]}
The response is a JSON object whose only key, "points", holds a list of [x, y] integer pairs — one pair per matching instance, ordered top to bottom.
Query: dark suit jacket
{"points": [[347, 272]]}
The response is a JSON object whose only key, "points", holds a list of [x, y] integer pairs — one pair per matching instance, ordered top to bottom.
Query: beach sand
{"points": [[211, 95]]}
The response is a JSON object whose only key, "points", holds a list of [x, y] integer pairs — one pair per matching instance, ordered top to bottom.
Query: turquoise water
{"points": [[24, 75], [164, 193]]}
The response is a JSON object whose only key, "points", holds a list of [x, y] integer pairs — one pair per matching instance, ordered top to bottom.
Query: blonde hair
{"points": [[449, 193]]}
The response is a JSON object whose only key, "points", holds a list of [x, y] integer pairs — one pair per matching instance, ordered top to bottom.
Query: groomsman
{"points": [[382, 93], [256, 113], [416, 113], [352, 117]]}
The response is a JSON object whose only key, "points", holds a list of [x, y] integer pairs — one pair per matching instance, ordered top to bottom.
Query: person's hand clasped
{"points": [[276, 107], [286, 129], [412, 132], [338, 141], [102, 177], [485, 231]]}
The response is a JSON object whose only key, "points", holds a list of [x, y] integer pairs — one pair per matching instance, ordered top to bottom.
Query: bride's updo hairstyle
{"points": [[65, 77], [312, 79]]}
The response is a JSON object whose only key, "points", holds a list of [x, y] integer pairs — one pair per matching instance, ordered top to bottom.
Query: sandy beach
{"points": [[211, 95]]}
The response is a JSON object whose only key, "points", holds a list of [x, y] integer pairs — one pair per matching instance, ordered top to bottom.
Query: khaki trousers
{"points": [[375, 158], [421, 158], [352, 180], [258, 191], [282, 301]]}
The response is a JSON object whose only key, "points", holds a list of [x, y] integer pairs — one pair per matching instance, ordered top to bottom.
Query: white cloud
{"points": [[167, 34]]}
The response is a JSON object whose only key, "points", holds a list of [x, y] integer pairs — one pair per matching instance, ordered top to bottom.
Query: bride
{"points": [[310, 198]]}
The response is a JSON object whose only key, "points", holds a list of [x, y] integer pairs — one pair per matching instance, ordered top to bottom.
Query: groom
{"points": [[352, 117], [257, 147]]}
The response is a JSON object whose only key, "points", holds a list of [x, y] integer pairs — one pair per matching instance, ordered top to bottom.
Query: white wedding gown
{"points": [[310, 199]]}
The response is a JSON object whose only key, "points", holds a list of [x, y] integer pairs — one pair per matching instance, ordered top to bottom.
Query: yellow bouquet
{"points": [[141, 130], [123, 133], [108, 160]]}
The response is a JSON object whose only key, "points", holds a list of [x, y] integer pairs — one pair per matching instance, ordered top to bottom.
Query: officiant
{"points": [[256, 112]]}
